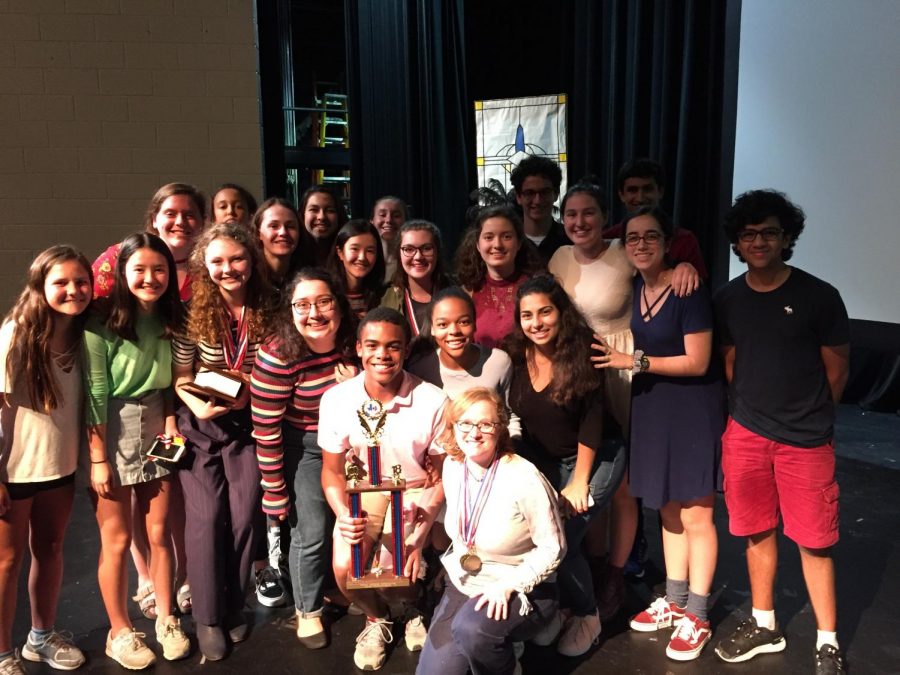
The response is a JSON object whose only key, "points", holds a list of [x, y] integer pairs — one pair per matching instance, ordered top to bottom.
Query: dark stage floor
{"points": [[868, 593]]}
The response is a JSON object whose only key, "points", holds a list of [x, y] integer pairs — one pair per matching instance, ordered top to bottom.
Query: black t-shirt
{"points": [[556, 237], [779, 388], [551, 430]]}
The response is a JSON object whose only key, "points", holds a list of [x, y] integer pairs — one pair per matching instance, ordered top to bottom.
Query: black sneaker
{"points": [[269, 591], [749, 640], [829, 661]]}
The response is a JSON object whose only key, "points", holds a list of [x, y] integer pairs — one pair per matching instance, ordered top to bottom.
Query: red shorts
{"points": [[765, 478]]}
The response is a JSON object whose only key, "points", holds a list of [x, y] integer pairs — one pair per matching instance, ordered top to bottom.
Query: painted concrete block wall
{"points": [[103, 101]]}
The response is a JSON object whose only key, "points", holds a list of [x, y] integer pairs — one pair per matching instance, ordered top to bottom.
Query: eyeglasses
{"points": [[545, 193], [768, 234], [649, 238], [409, 251], [323, 304], [484, 427]]}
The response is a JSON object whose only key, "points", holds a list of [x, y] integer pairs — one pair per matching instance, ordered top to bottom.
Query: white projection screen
{"points": [[818, 117]]}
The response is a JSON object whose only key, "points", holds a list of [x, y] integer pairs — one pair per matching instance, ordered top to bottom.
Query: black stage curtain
{"points": [[657, 78], [409, 107]]}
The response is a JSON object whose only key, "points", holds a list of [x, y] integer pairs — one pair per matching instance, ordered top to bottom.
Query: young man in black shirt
{"points": [[784, 337]]}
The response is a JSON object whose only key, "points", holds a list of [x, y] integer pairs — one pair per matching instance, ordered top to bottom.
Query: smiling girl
{"points": [[232, 203], [176, 214], [323, 215], [286, 245], [493, 260], [357, 264], [420, 275], [228, 320], [314, 344], [128, 361], [42, 401], [560, 404], [507, 542]]}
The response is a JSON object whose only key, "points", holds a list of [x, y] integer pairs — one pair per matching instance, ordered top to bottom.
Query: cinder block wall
{"points": [[103, 101]]}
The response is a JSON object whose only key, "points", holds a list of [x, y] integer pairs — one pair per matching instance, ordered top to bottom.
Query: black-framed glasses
{"points": [[544, 193], [768, 234], [651, 237], [409, 251], [323, 304], [483, 427]]}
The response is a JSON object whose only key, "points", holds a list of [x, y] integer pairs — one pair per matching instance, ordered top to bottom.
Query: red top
{"points": [[684, 247], [104, 269], [495, 306]]}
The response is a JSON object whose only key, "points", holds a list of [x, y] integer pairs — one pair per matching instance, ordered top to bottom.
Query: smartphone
{"points": [[167, 450]]}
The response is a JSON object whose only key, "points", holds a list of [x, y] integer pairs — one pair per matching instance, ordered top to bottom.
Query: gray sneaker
{"points": [[57, 651], [11, 666]]}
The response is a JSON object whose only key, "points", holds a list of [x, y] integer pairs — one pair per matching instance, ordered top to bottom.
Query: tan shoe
{"points": [[170, 636], [128, 649]]}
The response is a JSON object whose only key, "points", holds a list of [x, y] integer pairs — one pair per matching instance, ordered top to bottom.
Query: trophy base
{"points": [[372, 580]]}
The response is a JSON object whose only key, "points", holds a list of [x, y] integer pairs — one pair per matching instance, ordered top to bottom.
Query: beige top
{"points": [[602, 288], [36, 446]]}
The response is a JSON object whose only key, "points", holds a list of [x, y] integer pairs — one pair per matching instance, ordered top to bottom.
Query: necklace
{"points": [[501, 296], [648, 314], [470, 515]]}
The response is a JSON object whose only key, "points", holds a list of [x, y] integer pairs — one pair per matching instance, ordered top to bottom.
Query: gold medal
{"points": [[470, 562]]}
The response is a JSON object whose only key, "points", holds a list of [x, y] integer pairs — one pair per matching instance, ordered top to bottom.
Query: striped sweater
{"points": [[289, 392]]}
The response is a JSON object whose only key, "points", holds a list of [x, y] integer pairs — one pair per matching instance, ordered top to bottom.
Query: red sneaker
{"points": [[660, 614], [690, 636]]}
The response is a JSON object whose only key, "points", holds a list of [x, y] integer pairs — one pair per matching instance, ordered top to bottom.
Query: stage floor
{"points": [[868, 446]]}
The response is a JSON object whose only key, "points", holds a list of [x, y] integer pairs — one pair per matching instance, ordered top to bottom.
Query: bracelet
{"points": [[641, 363], [101, 461]]}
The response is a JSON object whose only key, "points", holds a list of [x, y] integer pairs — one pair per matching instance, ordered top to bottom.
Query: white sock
{"points": [[273, 535], [765, 618], [826, 637]]}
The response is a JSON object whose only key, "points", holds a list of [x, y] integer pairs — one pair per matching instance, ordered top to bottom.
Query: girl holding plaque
{"points": [[228, 320], [314, 344], [558, 396], [503, 518]]}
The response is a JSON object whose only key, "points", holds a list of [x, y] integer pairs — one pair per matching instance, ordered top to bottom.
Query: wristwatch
{"points": [[641, 362]]}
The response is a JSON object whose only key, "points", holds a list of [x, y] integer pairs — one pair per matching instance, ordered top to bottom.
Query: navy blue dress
{"points": [[676, 422]]}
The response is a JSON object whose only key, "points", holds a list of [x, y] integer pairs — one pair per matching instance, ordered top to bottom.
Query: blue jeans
{"points": [[310, 519], [574, 573], [461, 640]]}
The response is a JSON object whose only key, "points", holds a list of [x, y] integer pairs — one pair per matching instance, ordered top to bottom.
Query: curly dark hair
{"points": [[533, 165], [641, 167], [754, 207], [470, 266], [372, 285], [120, 308], [287, 341], [424, 341], [573, 374]]}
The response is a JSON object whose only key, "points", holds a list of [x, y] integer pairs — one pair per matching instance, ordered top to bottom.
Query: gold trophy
{"points": [[371, 418]]}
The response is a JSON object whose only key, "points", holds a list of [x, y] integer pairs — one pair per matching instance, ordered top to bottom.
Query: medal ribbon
{"points": [[410, 313], [235, 353], [469, 517]]}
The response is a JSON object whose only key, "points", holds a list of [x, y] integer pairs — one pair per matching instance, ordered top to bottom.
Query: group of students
{"points": [[560, 374]]}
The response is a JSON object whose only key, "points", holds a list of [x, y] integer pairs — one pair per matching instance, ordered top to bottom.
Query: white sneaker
{"points": [[415, 633], [549, 633], [579, 634], [170, 636], [370, 644], [128, 650], [57, 651], [11, 666]]}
